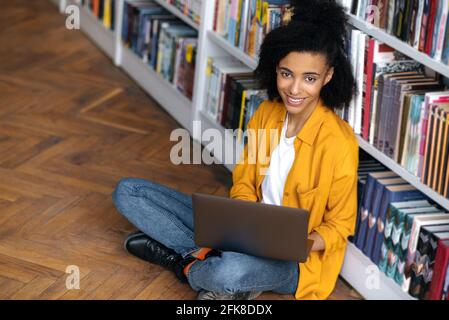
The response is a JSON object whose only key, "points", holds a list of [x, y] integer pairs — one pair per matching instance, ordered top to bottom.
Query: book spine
{"points": [[418, 24], [424, 25], [431, 26], [440, 35], [360, 77], [369, 88], [438, 147], [445, 152], [429, 153], [388, 197], [359, 239], [439, 272]]}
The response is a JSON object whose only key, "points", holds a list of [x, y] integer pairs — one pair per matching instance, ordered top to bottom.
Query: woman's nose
{"points": [[295, 88]]}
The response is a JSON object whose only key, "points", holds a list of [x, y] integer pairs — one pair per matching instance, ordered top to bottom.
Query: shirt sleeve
{"points": [[341, 208]]}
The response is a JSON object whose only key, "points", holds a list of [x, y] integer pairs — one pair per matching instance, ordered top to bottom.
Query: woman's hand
{"points": [[318, 242]]}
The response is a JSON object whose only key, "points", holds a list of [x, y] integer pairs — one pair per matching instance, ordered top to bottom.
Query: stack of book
{"points": [[190, 8], [103, 10], [244, 23], [423, 24], [164, 42], [232, 93], [399, 109], [433, 162], [402, 232]]}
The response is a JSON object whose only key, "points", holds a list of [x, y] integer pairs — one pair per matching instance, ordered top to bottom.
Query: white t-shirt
{"points": [[281, 161]]}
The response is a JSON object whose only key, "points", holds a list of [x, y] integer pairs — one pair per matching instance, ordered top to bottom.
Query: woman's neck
{"points": [[297, 121]]}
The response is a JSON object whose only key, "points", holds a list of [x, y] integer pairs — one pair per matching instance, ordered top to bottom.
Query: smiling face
{"points": [[300, 77]]}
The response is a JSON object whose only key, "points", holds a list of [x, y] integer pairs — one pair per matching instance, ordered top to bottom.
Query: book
{"points": [[391, 16], [406, 20], [424, 25], [431, 26], [440, 29], [416, 35], [169, 40], [376, 52], [354, 57], [185, 66], [221, 67], [381, 68], [359, 77], [430, 97], [385, 106], [440, 116], [412, 134], [393, 138], [431, 143], [380, 186], [442, 188], [390, 194], [366, 205], [418, 222], [402, 231], [391, 240], [392, 251], [423, 265], [439, 271]]}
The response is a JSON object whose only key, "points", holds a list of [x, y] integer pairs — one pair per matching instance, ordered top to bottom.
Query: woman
{"points": [[312, 165]]}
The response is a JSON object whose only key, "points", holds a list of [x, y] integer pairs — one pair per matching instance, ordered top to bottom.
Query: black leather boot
{"points": [[144, 247]]}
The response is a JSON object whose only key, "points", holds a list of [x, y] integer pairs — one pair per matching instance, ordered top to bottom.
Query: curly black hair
{"points": [[317, 26]]}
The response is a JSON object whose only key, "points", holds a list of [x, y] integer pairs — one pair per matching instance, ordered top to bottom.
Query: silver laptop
{"points": [[253, 228]]}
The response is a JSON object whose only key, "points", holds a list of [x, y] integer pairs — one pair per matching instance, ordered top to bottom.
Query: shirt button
{"points": [[286, 194]]}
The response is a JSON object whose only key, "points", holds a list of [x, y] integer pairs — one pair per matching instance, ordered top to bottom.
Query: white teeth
{"points": [[295, 101]]}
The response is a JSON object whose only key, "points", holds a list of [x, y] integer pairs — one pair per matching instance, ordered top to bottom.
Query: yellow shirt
{"points": [[322, 179]]}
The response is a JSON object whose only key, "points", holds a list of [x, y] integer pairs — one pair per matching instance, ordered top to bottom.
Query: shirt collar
{"points": [[310, 129]]}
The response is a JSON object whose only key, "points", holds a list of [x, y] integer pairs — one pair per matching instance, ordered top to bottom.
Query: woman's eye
{"points": [[285, 74], [310, 79]]}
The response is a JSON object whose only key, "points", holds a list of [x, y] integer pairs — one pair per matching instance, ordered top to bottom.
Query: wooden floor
{"points": [[72, 124]]}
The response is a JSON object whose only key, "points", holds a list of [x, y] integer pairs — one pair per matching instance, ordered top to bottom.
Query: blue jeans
{"points": [[166, 215]]}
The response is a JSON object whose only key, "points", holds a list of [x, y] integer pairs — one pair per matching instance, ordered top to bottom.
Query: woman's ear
{"points": [[329, 74]]}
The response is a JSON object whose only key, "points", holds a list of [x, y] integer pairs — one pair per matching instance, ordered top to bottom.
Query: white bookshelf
{"points": [[186, 111]]}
